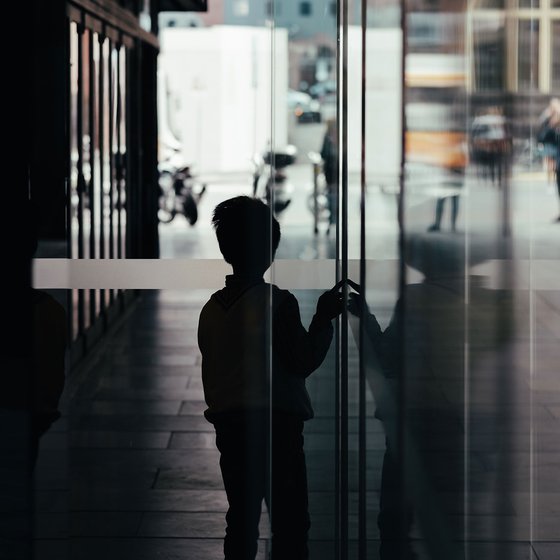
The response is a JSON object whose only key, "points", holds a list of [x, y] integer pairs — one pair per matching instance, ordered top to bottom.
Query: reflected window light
{"points": [[528, 55], [489, 56]]}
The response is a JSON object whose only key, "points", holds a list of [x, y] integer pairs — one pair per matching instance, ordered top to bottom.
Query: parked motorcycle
{"points": [[270, 182], [180, 192]]}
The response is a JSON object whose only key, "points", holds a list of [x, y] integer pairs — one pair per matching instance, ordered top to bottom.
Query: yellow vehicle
{"points": [[435, 110]]}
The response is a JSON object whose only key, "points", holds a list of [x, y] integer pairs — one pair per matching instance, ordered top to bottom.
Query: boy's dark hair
{"points": [[247, 232]]}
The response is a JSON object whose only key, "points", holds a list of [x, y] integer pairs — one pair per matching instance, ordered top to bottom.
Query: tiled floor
{"points": [[131, 470]]}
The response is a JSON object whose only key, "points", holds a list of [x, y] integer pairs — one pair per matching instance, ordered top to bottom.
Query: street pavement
{"points": [[531, 220]]}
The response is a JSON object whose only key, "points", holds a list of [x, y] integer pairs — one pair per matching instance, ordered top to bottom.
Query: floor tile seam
{"points": [[156, 478]]}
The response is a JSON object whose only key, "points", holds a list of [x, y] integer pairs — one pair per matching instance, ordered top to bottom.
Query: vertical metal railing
{"points": [[101, 132], [119, 147], [111, 149], [80, 170], [92, 178], [99, 207]]}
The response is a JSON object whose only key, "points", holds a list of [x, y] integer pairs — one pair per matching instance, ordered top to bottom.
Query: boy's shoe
{"points": [[434, 227]]}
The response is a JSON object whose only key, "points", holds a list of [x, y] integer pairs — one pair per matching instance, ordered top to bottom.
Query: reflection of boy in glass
{"points": [[329, 153], [425, 342], [256, 355]]}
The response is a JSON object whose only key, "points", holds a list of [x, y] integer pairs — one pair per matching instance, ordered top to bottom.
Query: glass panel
{"points": [[529, 3], [528, 55], [244, 106], [306, 143], [378, 272], [435, 407]]}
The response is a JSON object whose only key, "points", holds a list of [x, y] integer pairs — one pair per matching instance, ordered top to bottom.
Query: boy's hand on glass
{"points": [[330, 304], [355, 304]]}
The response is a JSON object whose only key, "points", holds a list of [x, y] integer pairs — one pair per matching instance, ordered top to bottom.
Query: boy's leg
{"points": [[558, 186], [439, 213], [242, 446], [288, 506], [395, 514]]}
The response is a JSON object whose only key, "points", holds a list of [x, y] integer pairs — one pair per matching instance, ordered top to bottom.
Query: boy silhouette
{"points": [[256, 355]]}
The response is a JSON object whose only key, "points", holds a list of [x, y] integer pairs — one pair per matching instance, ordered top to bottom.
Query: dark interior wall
{"points": [[48, 110], [143, 134], [18, 235]]}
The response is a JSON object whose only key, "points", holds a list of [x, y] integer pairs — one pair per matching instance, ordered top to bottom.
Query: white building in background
{"points": [[225, 102], [383, 103]]}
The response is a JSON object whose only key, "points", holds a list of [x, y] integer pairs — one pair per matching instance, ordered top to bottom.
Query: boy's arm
{"points": [[384, 343], [300, 351]]}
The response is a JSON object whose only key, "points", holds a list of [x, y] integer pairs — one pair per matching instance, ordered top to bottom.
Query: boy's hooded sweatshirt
{"points": [[249, 333]]}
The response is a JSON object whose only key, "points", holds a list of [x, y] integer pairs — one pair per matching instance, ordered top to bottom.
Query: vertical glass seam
{"points": [[343, 231], [362, 482]]}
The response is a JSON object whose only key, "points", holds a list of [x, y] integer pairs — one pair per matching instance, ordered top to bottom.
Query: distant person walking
{"points": [[551, 138], [491, 144], [549, 147], [329, 153], [451, 186], [256, 355]]}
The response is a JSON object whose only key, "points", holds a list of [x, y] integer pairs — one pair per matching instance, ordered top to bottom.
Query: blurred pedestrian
{"points": [[551, 138], [491, 144], [549, 147], [329, 153], [451, 189]]}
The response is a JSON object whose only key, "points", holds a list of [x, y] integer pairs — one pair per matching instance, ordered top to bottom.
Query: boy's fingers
{"points": [[341, 283], [337, 286], [354, 286]]}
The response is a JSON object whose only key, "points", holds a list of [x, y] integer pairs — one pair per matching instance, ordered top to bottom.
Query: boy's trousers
{"points": [[263, 458]]}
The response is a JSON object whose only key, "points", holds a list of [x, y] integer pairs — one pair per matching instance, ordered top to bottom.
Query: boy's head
{"points": [[248, 234]]}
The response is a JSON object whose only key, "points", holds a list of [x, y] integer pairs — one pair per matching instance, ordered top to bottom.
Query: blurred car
{"points": [[321, 90], [304, 107]]}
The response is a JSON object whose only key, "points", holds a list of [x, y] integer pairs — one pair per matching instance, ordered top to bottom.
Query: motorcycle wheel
{"points": [[166, 210], [190, 210], [165, 216]]}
